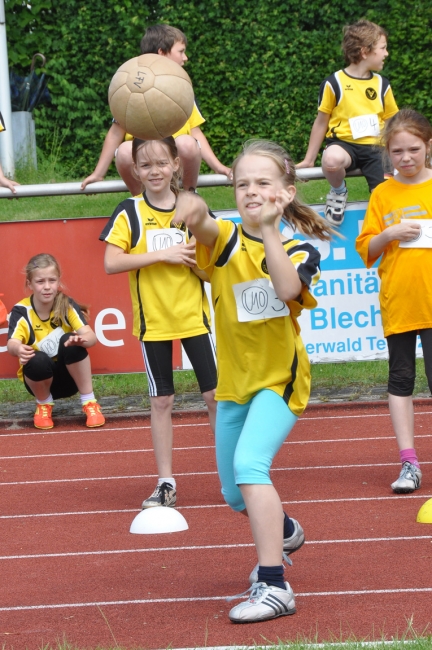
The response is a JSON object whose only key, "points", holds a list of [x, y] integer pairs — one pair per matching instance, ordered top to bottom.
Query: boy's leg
{"points": [[190, 155], [335, 161], [370, 162], [124, 164], [201, 353], [158, 362]]}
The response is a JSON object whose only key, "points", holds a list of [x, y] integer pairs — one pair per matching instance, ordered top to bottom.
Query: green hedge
{"points": [[256, 66]]}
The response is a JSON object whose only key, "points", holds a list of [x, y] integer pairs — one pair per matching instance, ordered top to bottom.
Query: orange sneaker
{"points": [[94, 414], [42, 418]]}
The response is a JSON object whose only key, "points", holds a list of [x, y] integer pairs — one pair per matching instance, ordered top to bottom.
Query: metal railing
{"points": [[62, 189]]}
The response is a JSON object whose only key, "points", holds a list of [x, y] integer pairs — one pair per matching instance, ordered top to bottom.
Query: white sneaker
{"points": [[335, 207], [409, 479], [290, 545], [265, 602]]}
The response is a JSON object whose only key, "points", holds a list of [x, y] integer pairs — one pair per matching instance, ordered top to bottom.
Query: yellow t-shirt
{"points": [[344, 97], [196, 119], [406, 287], [168, 300], [26, 326], [256, 347]]}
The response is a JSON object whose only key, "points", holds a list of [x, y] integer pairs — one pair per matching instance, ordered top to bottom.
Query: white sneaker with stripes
{"points": [[264, 603]]}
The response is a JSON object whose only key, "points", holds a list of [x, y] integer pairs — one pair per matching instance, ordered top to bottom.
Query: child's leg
{"points": [[190, 155], [335, 160], [124, 164], [426, 340], [201, 353], [158, 362], [38, 376], [400, 387]]}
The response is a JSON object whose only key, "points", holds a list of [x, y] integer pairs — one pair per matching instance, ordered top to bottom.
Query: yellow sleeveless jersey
{"points": [[196, 119], [168, 300], [26, 326], [258, 343]]}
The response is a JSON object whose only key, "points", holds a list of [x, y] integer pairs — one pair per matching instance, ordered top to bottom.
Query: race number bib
{"points": [[364, 126], [163, 238], [257, 300], [50, 344]]}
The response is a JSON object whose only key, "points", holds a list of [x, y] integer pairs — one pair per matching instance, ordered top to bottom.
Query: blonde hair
{"points": [[171, 148], [297, 214], [61, 301]]}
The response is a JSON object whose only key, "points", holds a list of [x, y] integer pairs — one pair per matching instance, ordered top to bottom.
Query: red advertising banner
{"points": [[76, 246]]}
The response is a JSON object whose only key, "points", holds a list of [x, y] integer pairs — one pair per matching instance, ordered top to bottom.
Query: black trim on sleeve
{"points": [[230, 245]]}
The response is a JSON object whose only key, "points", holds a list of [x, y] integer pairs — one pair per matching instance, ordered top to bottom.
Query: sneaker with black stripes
{"points": [[163, 495], [264, 603]]}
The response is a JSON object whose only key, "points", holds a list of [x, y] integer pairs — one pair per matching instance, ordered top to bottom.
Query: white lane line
{"points": [[199, 424], [83, 430], [205, 447], [143, 476], [422, 496], [205, 547], [151, 601]]}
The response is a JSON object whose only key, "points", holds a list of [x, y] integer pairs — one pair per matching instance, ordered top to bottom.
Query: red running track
{"points": [[69, 568]]}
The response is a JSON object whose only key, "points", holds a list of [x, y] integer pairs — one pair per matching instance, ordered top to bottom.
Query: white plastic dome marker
{"points": [[158, 519]]}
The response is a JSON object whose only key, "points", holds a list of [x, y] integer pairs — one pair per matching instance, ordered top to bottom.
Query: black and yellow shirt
{"points": [[356, 106], [2, 124], [168, 301], [26, 326], [258, 343]]}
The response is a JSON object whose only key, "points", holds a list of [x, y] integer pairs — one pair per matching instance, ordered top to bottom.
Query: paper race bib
{"points": [[364, 126], [163, 238], [423, 239], [257, 300], [50, 344]]}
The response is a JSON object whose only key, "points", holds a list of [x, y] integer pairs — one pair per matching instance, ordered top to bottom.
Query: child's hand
{"points": [[188, 206], [273, 208], [404, 231], [180, 254], [76, 339], [25, 353]]}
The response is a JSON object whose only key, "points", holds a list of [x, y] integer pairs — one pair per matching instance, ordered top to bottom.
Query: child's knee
{"points": [[188, 148], [124, 156], [335, 158], [72, 353], [38, 368], [162, 403], [233, 498]]}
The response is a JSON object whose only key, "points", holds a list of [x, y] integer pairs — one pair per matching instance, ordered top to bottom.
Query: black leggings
{"points": [[402, 361], [41, 367]]}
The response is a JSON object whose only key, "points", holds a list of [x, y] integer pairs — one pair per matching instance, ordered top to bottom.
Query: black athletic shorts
{"points": [[366, 157], [402, 361], [159, 367]]}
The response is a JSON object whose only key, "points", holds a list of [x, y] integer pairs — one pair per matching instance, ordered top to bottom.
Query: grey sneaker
{"points": [[335, 207], [409, 479], [163, 495], [290, 545], [265, 602]]}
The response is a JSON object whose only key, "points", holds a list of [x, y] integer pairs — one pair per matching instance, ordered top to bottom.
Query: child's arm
{"points": [[317, 136], [113, 139], [207, 153], [5, 182], [193, 211], [399, 232], [116, 260], [283, 274], [84, 336], [17, 348]]}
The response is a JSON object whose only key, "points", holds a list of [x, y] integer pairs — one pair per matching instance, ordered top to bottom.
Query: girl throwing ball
{"points": [[391, 227], [260, 282], [49, 334]]}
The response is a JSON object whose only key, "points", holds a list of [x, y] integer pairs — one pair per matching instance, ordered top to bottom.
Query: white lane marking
{"points": [[305, 418], [205, 447], [143, 476], [422, 496], [204, 547], [151, 601]]}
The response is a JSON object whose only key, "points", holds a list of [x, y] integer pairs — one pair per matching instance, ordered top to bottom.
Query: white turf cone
{"points": [[158, 519]]}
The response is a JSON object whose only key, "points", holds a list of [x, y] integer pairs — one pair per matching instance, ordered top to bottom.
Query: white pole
{"points": [[6, 140]]}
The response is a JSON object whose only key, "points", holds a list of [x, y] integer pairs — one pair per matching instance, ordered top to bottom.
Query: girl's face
{"points": [[408, 155], [155, 167], [257, 178], [44, 284]]}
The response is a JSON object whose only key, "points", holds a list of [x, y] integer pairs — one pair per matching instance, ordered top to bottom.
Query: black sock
{"points": [[288, 529], [272, 575]]}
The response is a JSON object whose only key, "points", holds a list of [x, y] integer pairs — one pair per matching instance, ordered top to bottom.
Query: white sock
{"points": [[340, 190], [87, 397], [48, 400], [169, 480]]}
